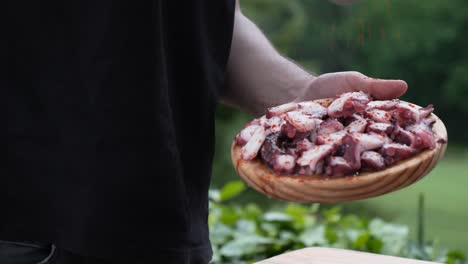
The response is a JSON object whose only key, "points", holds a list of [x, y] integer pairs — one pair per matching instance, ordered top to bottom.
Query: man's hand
{"points": [[258, 77], [332, 84]]}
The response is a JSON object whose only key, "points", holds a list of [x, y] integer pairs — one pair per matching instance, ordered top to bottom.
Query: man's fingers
{"points": [[336, 83], [378, 88], [386, 89]]}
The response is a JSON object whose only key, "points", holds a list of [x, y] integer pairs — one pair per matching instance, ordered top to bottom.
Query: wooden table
{"points": [[336, 256]]}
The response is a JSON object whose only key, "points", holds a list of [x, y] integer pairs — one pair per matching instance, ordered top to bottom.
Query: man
{"points": [[110, 123]]}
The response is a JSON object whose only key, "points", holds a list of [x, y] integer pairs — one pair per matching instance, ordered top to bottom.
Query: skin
{"points": [[258, 77]]}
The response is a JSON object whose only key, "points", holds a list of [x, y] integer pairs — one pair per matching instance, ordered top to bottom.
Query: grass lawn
{"points": [[446, 199]]}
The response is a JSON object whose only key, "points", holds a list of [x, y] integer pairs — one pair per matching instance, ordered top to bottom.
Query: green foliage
{"points": [[284, 20], [422, 42], [230, 190], [245, 234], [455, 256]]}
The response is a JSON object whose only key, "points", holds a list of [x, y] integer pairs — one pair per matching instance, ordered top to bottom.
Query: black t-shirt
{"points": [[110, 125]]}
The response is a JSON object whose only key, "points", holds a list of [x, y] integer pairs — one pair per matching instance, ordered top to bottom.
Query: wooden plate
{"points": [[319, 188]]}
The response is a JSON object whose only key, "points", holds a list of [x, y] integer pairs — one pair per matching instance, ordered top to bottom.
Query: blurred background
{"points": [[422, 42]]}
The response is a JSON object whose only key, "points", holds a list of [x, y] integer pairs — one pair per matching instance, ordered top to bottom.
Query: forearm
{"points": [[257, 75]]}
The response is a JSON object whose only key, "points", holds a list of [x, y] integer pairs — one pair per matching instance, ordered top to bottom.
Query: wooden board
{"points": [[336, 256]]}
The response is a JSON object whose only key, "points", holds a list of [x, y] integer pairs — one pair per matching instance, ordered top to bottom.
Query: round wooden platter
{"points": [[323, 189]]}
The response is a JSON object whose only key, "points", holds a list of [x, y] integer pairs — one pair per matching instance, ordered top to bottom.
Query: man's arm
{"points": [[258, 76]]}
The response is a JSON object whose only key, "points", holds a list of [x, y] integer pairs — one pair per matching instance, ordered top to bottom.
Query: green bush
{"points": [[422, 42], [246, 233]]}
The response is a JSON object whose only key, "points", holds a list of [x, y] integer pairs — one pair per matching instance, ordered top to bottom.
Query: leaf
{"points": [[231, 190], [214, 195], [314, 208], [296, 210], [253, 212], [298, 213], [229, 215], [332, 215], [276, 217], [212, 219], [309, 221], [351, 221], [246, 226], [270, 229], [220, 233], [352, 234], [331, 235], [286, 236], [314, 236], [393, 236], [361, 242], [366, 242], [244, 245], [375, 245], [414, 250], [456, 254], [455, 257], [216, 258]]}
